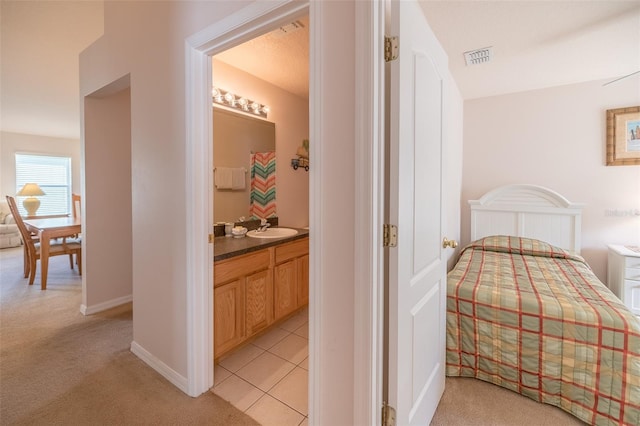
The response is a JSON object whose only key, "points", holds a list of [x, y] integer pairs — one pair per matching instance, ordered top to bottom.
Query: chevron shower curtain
{"points": [[263, 185]]}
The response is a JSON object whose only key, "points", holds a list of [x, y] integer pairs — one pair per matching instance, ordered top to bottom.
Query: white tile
{"points": [[294, 322], [303, 330], [270, 338], [293, 348], [238, 359], [304, 364], [265, 371], [220, 374], [293, 390], [238, 392], [269, 411]]}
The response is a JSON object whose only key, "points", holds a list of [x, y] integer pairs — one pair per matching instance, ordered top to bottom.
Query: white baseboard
{"points": [[90, 310], [165, 371]]}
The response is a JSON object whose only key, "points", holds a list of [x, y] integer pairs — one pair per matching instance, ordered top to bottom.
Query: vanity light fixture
{"points": [[228, 99]]}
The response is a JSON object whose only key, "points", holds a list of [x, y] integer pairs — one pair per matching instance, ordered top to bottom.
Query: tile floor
{"points": [[268, 378]]}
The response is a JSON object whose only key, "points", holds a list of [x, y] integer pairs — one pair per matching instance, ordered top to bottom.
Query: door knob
{"points": [[449, 243]]}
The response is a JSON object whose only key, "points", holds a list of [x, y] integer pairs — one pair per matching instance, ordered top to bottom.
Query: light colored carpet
{"points": [[59, 367], [469, 401]]}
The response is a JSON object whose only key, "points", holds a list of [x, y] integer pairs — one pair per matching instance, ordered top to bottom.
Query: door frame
{"points": [[241, 26], [369, 317]]}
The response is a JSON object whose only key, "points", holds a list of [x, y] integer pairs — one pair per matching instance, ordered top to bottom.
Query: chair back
{"points": [[76, 201], [26, 235]]}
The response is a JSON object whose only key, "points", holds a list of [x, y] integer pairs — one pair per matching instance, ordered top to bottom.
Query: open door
{"points": [[417, 265]]}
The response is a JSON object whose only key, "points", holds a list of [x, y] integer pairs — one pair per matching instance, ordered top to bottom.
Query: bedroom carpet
{"points": [[60, 367], [469, 401]]}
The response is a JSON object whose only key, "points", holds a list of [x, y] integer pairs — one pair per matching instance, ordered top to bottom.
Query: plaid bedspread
{"points": [[534, 319]]}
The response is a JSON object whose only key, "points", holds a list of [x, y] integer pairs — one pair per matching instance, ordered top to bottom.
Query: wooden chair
{"points": [[76, 204], [76, 207], [32, 245]]}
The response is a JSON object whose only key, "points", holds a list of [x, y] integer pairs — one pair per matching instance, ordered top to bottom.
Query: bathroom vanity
{"points": [[257, 283]]}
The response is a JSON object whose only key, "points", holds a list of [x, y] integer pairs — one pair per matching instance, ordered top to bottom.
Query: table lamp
{"points": [[31, 203]]}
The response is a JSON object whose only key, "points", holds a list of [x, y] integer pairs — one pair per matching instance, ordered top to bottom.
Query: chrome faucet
{"points": [[263, 225]]}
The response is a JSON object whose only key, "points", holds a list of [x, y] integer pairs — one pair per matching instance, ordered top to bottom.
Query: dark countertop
{"points": [[226, 247]]}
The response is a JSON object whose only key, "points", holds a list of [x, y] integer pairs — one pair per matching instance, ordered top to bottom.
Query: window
{"points": [[53, 174]]}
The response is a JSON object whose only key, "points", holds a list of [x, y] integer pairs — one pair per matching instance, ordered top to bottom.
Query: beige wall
{"points": [[146, 40], [290, 113], [556, 138], [12, 143]]}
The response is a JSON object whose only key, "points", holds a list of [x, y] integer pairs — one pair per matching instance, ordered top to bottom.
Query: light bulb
{"points": [[230, 98], [265, 109]]}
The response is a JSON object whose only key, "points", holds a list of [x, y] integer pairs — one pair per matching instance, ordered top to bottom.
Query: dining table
{"points": [[51, 228]]}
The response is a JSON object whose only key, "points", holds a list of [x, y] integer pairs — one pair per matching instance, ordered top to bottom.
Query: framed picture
{"points": [[623, 136]]}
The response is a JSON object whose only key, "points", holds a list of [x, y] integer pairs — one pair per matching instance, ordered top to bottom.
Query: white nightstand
{"points": [[623, 276]]}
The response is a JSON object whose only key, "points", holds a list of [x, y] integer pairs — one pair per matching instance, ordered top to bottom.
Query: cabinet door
{"points": [[303, 280], [285, 289], [258, 301], [228, 316]]}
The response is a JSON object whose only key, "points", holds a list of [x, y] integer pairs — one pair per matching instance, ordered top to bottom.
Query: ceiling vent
{"points": [[478, 56]]}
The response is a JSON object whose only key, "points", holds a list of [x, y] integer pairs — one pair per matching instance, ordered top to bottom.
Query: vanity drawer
{"points": [[292, 250], [229, 269]]}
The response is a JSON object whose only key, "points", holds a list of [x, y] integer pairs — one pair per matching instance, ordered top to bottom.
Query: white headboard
{"points": [[527, 211]]}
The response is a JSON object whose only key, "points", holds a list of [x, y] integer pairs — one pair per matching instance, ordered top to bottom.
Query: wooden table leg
{"points": [[44, 259]]}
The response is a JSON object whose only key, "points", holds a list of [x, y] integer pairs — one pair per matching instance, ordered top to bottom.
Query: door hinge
{"points": [[390, 48], [389, 235], [211, 237], [388, 415]]}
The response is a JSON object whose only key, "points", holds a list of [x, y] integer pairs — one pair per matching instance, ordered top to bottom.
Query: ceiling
{"points": [[536, 44], [280, 57]]}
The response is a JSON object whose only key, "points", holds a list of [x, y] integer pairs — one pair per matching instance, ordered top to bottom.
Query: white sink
{"points": [[272, 233]]}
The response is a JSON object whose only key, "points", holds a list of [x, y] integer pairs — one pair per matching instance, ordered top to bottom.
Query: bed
{"points": [[525, 311]]}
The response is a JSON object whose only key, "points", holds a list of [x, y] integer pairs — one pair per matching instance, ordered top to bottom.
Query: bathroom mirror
{"points": [[235, 137]]}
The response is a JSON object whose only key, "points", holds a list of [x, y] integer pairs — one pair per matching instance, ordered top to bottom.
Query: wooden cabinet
{"points": [[290, 260], [623, 276], [303, 280], [243, 286], [285, 289], [253, 290], [258, 301], [228, 316]]}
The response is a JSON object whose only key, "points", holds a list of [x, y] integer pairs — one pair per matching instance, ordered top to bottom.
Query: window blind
{"points": [[52, 174]]}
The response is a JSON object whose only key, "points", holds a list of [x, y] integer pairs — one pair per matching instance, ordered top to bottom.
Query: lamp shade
{"points": [[30, 189], [31, 203]]}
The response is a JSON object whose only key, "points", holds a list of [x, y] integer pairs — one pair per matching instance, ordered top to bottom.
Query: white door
{"points": [[417, 267]]}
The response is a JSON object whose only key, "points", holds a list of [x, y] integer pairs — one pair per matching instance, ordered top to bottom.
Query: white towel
{"points": [[223, 177], [230, 178], [238, 178]]}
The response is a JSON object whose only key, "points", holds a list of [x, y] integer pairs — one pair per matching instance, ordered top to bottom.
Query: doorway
{"points": [[107, 202], [343, 311], [265, 371]]}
